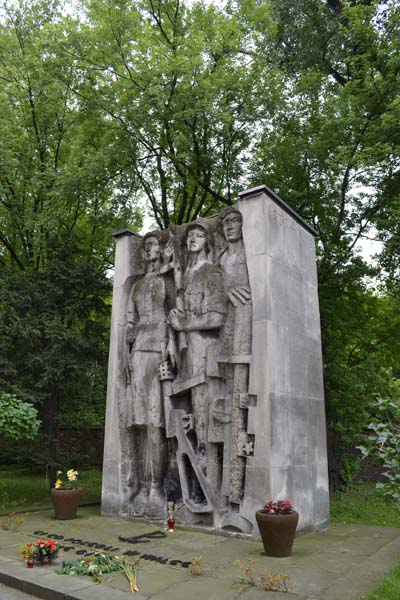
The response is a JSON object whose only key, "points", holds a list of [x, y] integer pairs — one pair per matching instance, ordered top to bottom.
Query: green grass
{"points": [[21, 488], [363, 504], [388, 588]]}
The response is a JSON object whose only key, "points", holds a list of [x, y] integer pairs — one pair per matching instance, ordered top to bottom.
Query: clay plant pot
{"points": [[66, 502], [277, 532], [44, 561]]}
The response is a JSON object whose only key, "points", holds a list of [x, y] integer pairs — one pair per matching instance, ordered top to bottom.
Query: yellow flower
{"points": [[59, 473], [72, 475], [58, 484]]}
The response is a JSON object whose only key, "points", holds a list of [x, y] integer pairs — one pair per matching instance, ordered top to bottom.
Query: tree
{"points": [[174, 81], [183, 104], [332, 150], [58, 207]]}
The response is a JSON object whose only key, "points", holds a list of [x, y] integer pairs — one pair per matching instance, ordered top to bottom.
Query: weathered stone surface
{"points": [[286, 369], [215, 396], [111, 492], [341, 564]]}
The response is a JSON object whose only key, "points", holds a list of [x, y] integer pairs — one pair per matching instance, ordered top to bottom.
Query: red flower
{"points": [[281, 507]]}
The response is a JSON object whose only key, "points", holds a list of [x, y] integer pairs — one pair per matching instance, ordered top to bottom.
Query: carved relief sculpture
{"points": [[203, 314], [149, 341], [237, 346], [201, 391], [215, 395]]}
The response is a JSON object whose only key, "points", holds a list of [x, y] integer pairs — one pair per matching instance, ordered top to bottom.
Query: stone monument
{"points": [[215, 392]]}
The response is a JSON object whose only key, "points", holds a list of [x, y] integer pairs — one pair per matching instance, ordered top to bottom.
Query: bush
{"points": [[18, 420], [384, 445]]}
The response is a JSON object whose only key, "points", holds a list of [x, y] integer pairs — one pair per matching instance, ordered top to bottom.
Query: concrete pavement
{"points": [[343, 563], [7, 593]]}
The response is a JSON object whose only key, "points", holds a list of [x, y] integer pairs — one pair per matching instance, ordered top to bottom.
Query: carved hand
{"points": [[169, 248], [239, 294], [175, 319], [130, 334], [171, 353], [126, 372], [187, 422]]}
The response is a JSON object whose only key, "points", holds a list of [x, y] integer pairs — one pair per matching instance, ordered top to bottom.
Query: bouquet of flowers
{"points": [[70, 484], [279, 507], [41, 551]]}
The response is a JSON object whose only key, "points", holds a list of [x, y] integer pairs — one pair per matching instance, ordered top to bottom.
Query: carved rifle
{"points": [[178, 280]]}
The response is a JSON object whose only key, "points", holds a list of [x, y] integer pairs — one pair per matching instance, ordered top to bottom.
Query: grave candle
{"points": [[171, 520]]}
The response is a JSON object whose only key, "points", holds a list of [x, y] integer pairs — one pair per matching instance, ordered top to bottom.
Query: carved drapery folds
{"points": [[185, 372]]}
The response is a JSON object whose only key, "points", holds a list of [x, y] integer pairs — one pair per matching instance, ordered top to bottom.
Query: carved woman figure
{"points": [[204, 314]]}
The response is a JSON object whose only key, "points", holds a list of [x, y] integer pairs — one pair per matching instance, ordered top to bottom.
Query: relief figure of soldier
{"points": [[149, 340], [236, 343]]}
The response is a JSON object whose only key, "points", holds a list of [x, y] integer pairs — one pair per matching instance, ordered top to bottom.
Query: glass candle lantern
{"points": [[171, 520]]}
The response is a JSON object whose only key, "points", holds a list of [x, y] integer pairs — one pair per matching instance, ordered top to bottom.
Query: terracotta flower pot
{"points": [[66, 502], [277, 532], [43, 561]]}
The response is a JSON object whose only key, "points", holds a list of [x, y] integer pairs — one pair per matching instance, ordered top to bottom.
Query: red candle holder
{"points": [[171, 523]]}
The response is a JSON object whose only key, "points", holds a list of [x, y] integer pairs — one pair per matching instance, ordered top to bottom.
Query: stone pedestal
{"points": [[288, 421], [112, 481]]}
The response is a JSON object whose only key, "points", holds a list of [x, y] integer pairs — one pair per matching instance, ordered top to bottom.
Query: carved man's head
{"points": [[232, 225], [151, 247]]}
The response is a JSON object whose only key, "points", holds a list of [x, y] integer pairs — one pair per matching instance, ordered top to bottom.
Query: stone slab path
{"points": [[343, 563], [7, 593]]}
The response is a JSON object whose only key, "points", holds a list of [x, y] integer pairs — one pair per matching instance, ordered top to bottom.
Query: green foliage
{"points": [[171, 78], [180, 105], [330, 146], [60, 201], [54, 333], [360, 359], [18, 420], [384, 445], [79, 449], [81, 452], [21, 454], [349, 467], [101, 564], [96, 566]]}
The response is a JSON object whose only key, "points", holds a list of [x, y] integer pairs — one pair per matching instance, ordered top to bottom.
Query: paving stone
{"points": [[340, 564], [103, 592], [7, 593]]}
